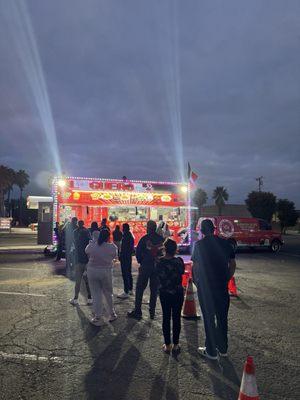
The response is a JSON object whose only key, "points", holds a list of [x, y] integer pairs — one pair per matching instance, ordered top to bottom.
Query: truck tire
{"points": [[233, 244], [275, 246]]}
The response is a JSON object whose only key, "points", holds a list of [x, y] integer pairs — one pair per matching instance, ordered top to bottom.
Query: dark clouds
{"points": [[111, 73]]}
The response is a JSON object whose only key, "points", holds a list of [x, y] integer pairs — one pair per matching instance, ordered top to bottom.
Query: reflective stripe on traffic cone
{"points": [[232, 289], [189, 305], [248, 390]]}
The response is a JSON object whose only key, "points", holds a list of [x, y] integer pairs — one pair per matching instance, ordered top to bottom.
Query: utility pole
{"points": [[260, 182]]}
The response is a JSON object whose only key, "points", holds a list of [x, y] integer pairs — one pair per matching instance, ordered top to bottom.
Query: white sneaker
{"points": [[123, 295], [74, 302], [89, 302], [97, 321], [202, 351]]}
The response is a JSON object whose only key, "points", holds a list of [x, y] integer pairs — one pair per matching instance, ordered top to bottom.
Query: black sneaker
{"points": [[134, 314]]}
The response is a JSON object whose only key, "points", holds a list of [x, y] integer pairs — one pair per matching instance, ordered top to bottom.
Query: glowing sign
{"points": [[76, 196], [166, 198]]}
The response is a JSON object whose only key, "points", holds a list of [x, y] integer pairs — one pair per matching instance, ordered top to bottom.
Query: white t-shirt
{"points": [[101, 256]]}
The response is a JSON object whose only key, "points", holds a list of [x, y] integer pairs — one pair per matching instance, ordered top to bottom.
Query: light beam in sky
{"points": [[20, 27], [171, 78]]}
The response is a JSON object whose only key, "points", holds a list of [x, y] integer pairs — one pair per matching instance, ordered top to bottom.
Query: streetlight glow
{"points": [[61, 183]]}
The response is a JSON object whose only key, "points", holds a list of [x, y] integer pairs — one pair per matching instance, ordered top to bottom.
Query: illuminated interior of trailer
{"points": [[134, 202]]}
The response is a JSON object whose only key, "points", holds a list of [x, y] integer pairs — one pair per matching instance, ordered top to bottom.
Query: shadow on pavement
{"points": [[239, 303], [191, 330], [113, 368], [229, 371], [158, 385], [221, 388]]}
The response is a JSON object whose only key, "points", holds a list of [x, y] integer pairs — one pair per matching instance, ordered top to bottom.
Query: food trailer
{"points": [[131, 201]]}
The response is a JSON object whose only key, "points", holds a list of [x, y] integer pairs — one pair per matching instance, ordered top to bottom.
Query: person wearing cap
{"points": [[148, 251], [213, 266]]}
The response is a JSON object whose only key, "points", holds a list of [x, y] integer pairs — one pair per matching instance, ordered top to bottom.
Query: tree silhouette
{"points": [[5, 179], [21, 180], [12, 181], [220, 195], [199, 199], [261, 204], [286, 213]]}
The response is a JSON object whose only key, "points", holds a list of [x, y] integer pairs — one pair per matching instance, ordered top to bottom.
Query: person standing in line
{"points": [[104, 225], [93, 227], [167, 232], [58, 234], [117, 237], [81, 240], [69, 245], [127, 249], [148, 251], [101, 254], [213, 266], [169, 272]]}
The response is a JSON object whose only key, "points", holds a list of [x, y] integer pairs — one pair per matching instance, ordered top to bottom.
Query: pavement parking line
{"points": [[290, 254], [17, 269], [24, 294], [31, 357]]}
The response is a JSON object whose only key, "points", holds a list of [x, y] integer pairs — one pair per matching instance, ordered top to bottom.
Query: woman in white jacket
{"points": [[101, 254]]}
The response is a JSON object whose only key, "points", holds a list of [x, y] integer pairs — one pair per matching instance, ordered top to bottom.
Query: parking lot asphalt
{"points": [[49, 350]]}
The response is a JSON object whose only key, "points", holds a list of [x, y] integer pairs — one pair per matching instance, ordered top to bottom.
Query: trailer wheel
{"points": [[233, 244], [275, 246]]}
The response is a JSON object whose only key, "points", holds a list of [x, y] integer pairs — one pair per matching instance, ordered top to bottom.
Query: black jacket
{"points": [[81, 240], [127, 245], [149, 249]]}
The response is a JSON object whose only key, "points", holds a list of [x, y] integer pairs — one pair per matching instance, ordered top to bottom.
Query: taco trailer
{"points": [[131, 201]]}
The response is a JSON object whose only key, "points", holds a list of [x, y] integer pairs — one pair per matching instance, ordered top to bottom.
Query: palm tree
{"points": [[21, 180], [12, 181], [4, 184], [220, 195], [199, 199]]}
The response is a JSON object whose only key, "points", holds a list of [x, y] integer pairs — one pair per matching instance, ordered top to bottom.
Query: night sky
{"points": [[138, 88]]}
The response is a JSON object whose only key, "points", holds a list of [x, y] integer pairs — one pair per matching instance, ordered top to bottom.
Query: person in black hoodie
{"points": [[81, 240], [127, 248], [148, 251], [169, 271]]}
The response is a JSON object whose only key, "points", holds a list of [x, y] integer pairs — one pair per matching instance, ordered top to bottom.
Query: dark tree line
{"points": [[8, 179]]}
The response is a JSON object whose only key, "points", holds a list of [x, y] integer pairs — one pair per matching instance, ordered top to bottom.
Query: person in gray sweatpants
{"points": [[101, 254]]}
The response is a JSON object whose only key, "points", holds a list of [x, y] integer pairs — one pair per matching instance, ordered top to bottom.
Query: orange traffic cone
{"points": [[185, 279], [232, 289], [189, 305], [248, 390]]}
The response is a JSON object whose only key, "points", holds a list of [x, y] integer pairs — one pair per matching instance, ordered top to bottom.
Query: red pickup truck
{"points": [[245, 232]]}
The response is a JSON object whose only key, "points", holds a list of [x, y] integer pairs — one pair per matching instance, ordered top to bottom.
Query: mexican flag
{"points": [[192, 176]]}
